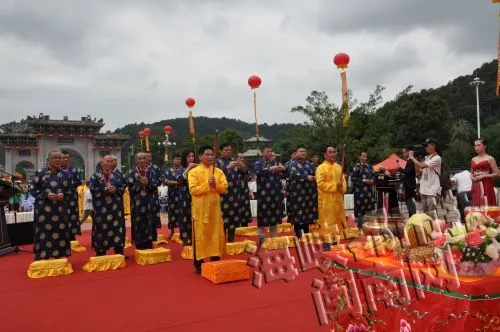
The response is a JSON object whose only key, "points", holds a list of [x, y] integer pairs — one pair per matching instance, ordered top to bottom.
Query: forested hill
{"points": [[207, 126]]}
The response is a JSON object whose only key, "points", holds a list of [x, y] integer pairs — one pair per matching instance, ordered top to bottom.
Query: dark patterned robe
{"points": [[363, 192], [302, 194], [269, 195], [156, 200], [233, 200], [72, 201], [179, 204], [141, 207], [289, 207], [246, 210], [108, 225], [52, 228]]}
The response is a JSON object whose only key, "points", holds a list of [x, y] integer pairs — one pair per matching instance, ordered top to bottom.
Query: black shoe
{"points": [[214, 258], [197, 271]]}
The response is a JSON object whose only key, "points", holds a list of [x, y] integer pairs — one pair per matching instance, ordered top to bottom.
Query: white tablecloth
{"points": [[348, 204], [21, 217]]}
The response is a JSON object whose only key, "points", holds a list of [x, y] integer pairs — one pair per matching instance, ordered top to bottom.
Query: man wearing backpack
{"points": [[430, 183]]}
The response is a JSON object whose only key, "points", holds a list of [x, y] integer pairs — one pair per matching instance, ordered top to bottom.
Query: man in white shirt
{"points": [[463, 182], [430, 184], [163, 190], [88, 209]]}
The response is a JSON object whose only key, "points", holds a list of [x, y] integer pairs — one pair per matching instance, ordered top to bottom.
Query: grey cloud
{"points": [[471, 23]]}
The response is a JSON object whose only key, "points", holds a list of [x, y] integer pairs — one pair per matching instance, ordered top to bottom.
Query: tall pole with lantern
{"points": [[254, 82], [190, 102], [168, 130]]}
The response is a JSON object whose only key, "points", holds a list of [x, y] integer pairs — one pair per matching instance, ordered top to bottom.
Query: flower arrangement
{"points": [[474, 247]]}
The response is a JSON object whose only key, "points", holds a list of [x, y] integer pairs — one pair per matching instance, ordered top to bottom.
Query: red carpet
{"points": [[164, 297]]}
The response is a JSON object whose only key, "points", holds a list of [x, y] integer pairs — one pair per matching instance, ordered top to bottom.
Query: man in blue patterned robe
{"points": [[362, 181], [142, 184], [50, 186], [269, 193], [302, 193], [155, 200], [72, 201], [232, 201], [179, 202], [108, 226]]}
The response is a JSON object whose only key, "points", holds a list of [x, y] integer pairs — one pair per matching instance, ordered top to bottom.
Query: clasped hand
{"points": [[211, 181], [55, 197]]}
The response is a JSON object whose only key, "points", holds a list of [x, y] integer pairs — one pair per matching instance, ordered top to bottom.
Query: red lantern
{"points": [[341, 60], [254, 81], [190, 102], [167, 129], [147, 131], [141, 133], [50, 135], [90, 135], [17, 148]]}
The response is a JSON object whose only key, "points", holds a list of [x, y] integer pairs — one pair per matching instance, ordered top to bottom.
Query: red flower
{"points": [[474, 239], [439, 241], [456, 255]]}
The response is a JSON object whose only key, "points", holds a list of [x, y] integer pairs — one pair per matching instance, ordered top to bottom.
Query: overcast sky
{"points": [[130, 61]]}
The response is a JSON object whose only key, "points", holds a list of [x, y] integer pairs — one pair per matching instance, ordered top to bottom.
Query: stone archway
{"points": [[27, 167]]}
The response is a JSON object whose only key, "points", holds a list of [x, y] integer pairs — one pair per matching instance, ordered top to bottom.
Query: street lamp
{"points": [[476, 83], [166, 143]]}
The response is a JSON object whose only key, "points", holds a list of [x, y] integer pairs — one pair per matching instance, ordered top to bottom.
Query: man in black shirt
{"points": [[409, 182]]}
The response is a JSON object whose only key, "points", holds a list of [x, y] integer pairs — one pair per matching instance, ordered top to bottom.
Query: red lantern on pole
{"points": [[341, 60], [254, 81], [190, 102], [167, 129], [147, 131], [141, 134]]}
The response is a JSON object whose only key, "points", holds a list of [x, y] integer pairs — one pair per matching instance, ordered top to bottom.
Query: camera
{"points": [[418, 151]]}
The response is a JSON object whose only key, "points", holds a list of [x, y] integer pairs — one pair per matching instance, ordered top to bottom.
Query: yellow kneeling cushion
{"points": [[285, 228], [247, 231], [177, 238], [160, 240], [280, 242], [128, 243], [77, 247], [236, 248], [187, 252], [153, 256], [105, 263], [50, 268], [225, 271]]}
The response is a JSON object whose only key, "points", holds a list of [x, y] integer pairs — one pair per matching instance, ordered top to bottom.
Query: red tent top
{"points": [[390, 163]]}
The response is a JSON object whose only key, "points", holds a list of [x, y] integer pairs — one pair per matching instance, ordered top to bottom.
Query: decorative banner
{"points": [[498, 72], [345, 99], [191, 127]]}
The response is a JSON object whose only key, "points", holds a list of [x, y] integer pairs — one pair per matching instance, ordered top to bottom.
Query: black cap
{"points": [[430, 141]]}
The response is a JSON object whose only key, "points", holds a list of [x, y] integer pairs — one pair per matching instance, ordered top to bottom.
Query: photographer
{"points": [[409, 182], [430, 184]]}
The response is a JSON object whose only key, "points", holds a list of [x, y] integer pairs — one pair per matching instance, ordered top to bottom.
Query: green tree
{"points": [[233, 137]]}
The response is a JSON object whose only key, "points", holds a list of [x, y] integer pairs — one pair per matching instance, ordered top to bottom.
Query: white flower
{"points": [[491, 232], [492, 251]]}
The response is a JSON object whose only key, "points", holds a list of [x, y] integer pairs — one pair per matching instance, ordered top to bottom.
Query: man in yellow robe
{"points": [[206, 184], [331, 189], [81, 193]]}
